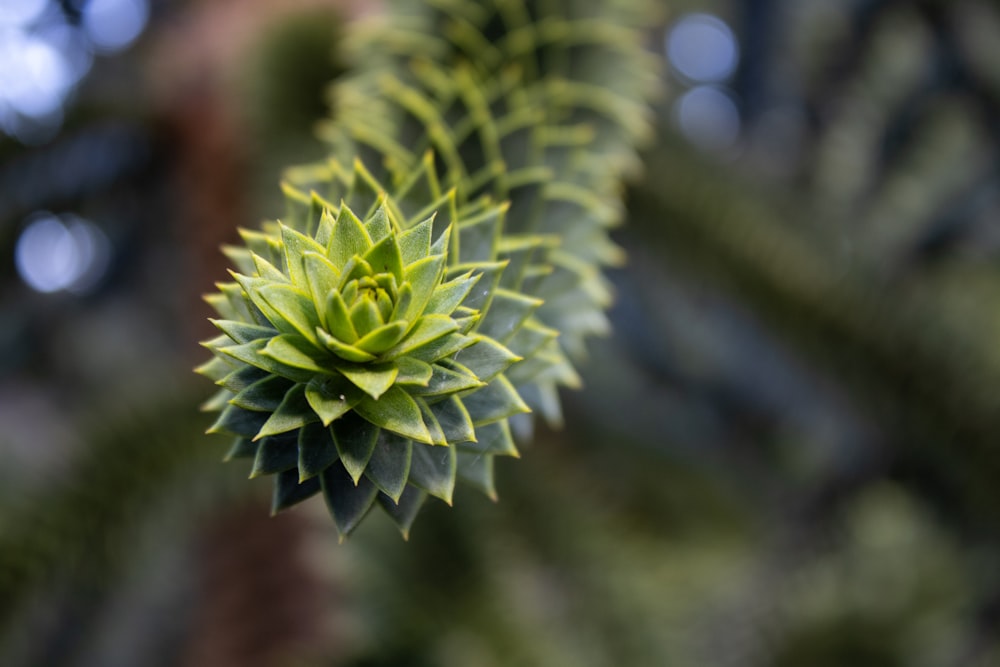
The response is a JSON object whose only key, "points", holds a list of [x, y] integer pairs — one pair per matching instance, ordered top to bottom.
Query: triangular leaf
{"points": [[349, 238], [428, 329], [373, 379], [331, 397], [495, 401], [395, 411], [294, 412], [355, 440], [316, 450], [276, 454], [389, 466], [433, 470], [477, 470], [288, 490], [348, 503], [405, 511]]}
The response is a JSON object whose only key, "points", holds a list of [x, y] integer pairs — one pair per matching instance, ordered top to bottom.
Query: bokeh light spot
{"points": [[21, 12], [112, 25], [702, 48], [709, 118], [53, 254]]}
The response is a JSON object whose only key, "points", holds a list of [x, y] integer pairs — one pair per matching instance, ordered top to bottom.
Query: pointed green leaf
{"points": [[378, 225], [349, 238], [415, 243], [296, 245], [385, 257], [355, 269], [267, 270], [423, 276], [321, 277], [489, 278], [448, 295], [404, 297], [295, 306], [506, 313], [365, 315], [338, 319], [428, 329], [241, 332], [381, 339], [442, 348], [292, 350], [343, 350], [253, 353], [486, 357], [215, 368], [413, 372], [242, 378], [373, 379], [447, 381], [265, 395], [331, 397], [495, 401], [217, 402], [395, 411], [294, 412], [454, 420], [237, 421], [494, 439], [355, 440], [242, 448], [316, 450], [276, 454], [389, 466], [433, 470], [477, 470], [289, 491], [348, 503], [405, 511]]}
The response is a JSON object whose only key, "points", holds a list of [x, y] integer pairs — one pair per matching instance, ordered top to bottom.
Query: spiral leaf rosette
{"points": [[383, 340], [360, 360]]}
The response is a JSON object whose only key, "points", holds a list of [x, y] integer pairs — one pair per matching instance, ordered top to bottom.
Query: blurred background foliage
{"points": [[785, 455]]}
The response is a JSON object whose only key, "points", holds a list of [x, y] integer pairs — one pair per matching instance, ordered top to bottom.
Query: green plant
{"points": [[434, 277]]}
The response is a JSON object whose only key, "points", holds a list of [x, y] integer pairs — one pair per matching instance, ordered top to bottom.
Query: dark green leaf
{"points": [[241, 332], [264, 395], [495, 401], [294, 412], [397, 412], [454, 420], [237, 421], [494, 439], [355, 440], [242, 448], [316, 450], [276, 454], [389, 466], [433, 470], [477, 470], [288, 490], [348, 503], [405, 511]]}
